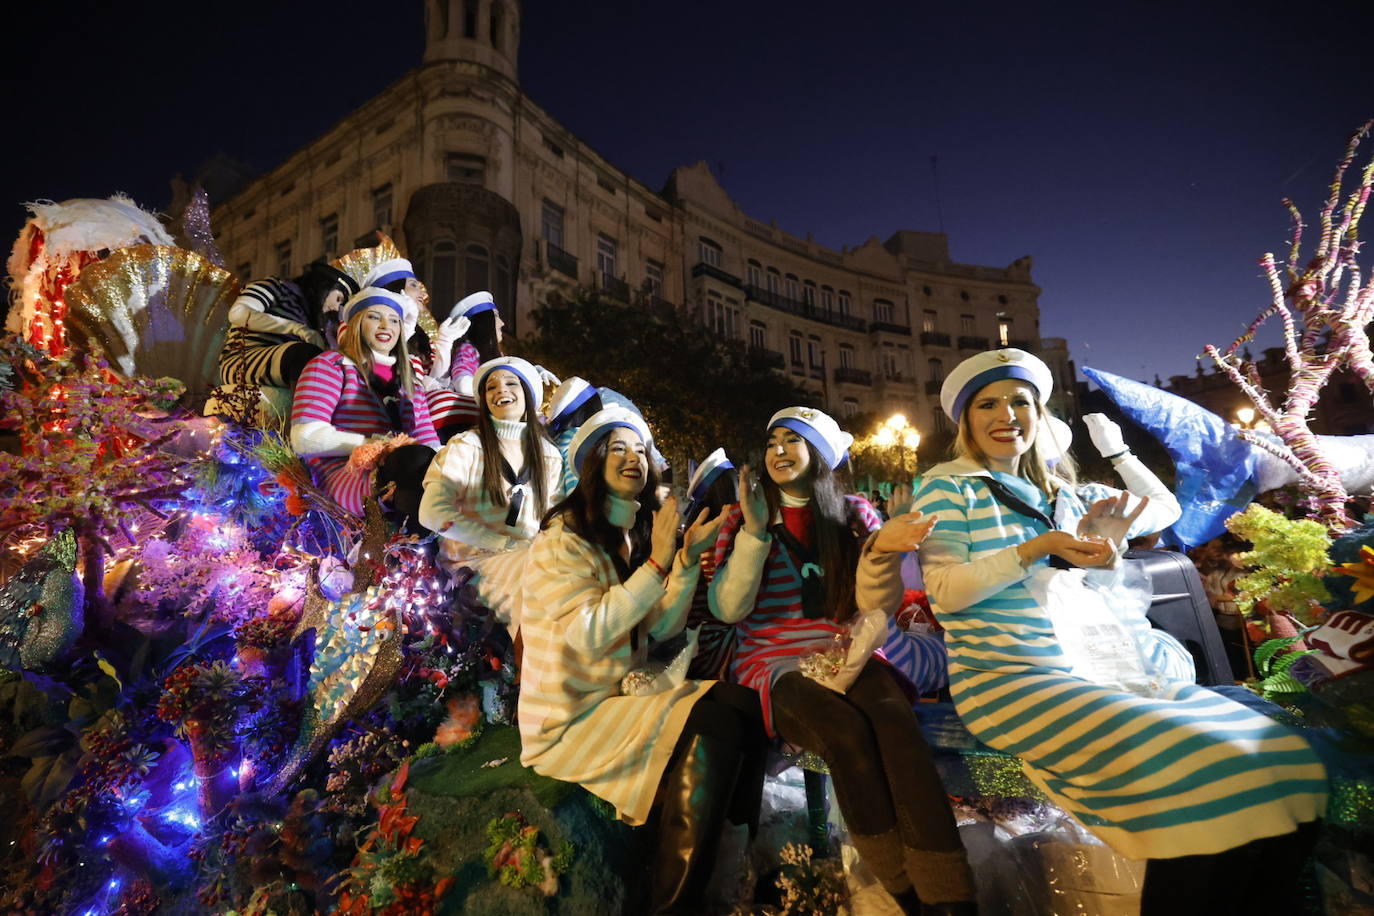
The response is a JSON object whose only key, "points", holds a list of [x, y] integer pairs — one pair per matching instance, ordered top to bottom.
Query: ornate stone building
{"points": [[484, 189]]}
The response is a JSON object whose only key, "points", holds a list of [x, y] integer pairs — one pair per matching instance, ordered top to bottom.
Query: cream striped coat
{"points": [[577, 618]]}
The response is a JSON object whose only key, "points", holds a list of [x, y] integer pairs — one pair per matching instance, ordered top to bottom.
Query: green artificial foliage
{"points": [[1286, 564], [1272, 661]]}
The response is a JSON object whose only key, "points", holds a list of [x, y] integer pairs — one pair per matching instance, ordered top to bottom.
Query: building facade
{"points": [[483, 189], [1341, 410]]}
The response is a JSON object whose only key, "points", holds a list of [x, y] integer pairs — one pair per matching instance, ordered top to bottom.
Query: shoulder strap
{"points": [[1003, 494]]}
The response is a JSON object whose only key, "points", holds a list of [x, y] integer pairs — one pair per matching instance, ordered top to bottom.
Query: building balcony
{"points": [[560, 260], [702, 269], [613, 287], [661, 308], [804, 310], [889, 327], [934, 339], [970, 342], [1027, 345], [773, 359], [818, 372], [851, 376], [933, 386]]}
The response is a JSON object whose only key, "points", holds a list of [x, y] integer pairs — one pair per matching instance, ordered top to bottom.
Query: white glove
{"points": [[452, 330], [550, 380], [1105, 434]]}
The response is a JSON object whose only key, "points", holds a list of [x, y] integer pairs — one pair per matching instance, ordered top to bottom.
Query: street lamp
{"points": [[1246, 418], [897, 431]]}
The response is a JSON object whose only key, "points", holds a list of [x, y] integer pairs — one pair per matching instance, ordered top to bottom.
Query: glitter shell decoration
{"points": [[359, 262], [156, 311]]}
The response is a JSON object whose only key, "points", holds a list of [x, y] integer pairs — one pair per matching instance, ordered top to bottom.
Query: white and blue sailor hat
{"points": [[389, 272], [373, 295], [480, 301], [524, 370], [977, 372], [567, 397], [599, 425], [816, 427], [707, 473]]}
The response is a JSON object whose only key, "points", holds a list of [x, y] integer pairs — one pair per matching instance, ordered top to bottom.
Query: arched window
{"points": [[498, 23], [709, 251], [476, 269], [753, 273], [443, 277], [773, 280], [790, 287], [505, 293]]}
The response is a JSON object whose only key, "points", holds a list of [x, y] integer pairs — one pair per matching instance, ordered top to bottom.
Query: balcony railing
{"points": [[560, 260], [702, 269], [613, 287], [796, 307], [661, 308], [889, 327], [934, 339], [970, 342], [773, 359], [818, 372], [852, 376]]}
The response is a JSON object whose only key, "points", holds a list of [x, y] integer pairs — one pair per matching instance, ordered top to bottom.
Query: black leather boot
{"points": [[696, 794]]}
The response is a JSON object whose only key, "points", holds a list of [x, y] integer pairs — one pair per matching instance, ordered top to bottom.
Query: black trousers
{"points": [[406, 468], [731, 712], [878, 759], [1263, 876]]}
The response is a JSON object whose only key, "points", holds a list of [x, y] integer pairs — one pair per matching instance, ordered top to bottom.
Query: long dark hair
{"points": [[316, 282], [482, 335], [531, 445], [584, 511], [837, 545]]}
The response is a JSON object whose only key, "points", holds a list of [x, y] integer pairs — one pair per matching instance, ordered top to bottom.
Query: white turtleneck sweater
{"points": [[457, 507]]}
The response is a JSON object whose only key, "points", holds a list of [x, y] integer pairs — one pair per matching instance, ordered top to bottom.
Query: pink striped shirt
{"points": [[332, 390]]}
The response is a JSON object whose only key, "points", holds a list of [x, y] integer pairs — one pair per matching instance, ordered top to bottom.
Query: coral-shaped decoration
{"points": [[516, 856]]}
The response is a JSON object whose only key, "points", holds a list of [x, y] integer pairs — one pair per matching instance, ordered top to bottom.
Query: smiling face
{"points": [[380, 328], [504, 394], [1002, 421], [788, 461], [627, 463]]}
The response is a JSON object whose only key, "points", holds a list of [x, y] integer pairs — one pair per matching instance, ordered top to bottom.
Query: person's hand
{"points": [[455, 328], [310, 336], [550, 380], [1105, 434], [752, 502], [899, 502], [1108, 518], [903, 533], [701, 534], [663, 536], [1087, 552]]}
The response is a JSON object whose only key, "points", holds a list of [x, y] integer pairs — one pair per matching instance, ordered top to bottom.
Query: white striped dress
{"points": [[333, 412], [577, 619], [1188, 773]]}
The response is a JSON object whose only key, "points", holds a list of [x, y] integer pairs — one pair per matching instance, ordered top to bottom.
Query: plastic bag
{"points": [[838, 667], [652, 679]]}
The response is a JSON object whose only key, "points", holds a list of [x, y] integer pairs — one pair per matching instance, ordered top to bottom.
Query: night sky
{"points": [[1138, 152]]}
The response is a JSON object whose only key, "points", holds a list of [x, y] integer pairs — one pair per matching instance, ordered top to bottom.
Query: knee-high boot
{"points": [[696, 795]]}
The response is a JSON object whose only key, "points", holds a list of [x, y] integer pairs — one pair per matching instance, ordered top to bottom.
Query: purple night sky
{"points": [[1138, 152]]}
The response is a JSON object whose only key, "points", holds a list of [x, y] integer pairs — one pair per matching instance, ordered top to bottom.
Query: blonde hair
{"points": [[351, 345], [1034, 465]]}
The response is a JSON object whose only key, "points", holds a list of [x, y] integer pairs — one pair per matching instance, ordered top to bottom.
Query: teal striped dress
{"points": [[1184, 772]]}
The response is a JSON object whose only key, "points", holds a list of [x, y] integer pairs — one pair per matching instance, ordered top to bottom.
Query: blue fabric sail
{"points": [[1215, 467]]}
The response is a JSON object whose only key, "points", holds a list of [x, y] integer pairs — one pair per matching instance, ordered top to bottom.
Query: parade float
{"points": [[224, 693]]}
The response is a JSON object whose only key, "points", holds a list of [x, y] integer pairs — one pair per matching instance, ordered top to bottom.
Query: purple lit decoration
{"points": [[195, 227]]}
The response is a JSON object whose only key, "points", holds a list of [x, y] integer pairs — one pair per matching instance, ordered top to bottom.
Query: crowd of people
{"points": [[789, 587]]}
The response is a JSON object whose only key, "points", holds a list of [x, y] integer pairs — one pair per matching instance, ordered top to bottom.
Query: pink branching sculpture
{"points": [[1325, 308]]}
